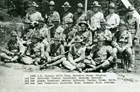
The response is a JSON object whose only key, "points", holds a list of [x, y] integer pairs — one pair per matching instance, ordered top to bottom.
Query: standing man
{"points": [[52, 13], [67, 13], [33, 15], [79, 15], [96, 16], [113, 19], [133, 28], [122, 43]]}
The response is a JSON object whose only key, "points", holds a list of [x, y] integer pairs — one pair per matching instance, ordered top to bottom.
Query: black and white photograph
{"points": [[70, 44]]}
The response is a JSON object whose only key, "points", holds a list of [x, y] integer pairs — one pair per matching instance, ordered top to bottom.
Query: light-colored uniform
{"points": [[52, 15], [66, 16], [34, 17], [95, 20], [113, 20], [107, 34], [86, 36], [74, 55]]}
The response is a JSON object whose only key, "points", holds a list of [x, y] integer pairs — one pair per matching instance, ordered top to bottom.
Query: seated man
{"points": [[103, 31], [69, 33], [85, 34], [122, 42], [36, 50], [12, 51], [56, 55], [75, 56], [102, 56]]}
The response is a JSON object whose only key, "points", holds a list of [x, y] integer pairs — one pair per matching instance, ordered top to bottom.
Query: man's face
{"points": [[51, 8], [31, 9], [66, 9], [95, 9], [79, 10], [111, 10], [130, 13], [56, 23], [69, 25], [83, 27], [103, 27], [122, 28], [34, 41], [56, 42], [77, 44]]}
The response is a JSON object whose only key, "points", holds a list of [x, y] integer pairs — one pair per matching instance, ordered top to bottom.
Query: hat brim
{"points": [[51, 5], [33, 6], [66, 6], [96, 6], [112, 7], [84, 24]]}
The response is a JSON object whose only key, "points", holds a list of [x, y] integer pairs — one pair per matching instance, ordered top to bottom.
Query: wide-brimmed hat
{"points": [[52, 3], [34, 4], [66, 4], [96, 4], [80, 5], [112, 6], [130, 8], [68, 20], [83, 22], [77, 40]]}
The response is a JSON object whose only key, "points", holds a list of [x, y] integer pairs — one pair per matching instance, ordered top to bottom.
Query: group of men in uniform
{"points": [[86, 42]]}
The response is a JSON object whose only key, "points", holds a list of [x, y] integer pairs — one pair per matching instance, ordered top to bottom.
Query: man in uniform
{"points": [[52, 13], [67, 13], [33, 14], [79, 15], [95, 17], [113, 19], [133, 27], [56, 30], [103, 31], [69, 33], [85, 34], [122, 42], [36, 50], [12, 51], [56, 55], [75, 56], [102, 56]]}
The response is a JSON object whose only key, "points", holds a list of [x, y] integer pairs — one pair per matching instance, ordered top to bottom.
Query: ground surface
{"points": [[11, 80]]}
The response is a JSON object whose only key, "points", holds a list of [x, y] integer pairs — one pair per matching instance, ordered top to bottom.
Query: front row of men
{"points": [[70, 48]]}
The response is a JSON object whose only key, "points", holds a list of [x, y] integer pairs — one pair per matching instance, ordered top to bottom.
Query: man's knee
{"points": [[105, 64]]}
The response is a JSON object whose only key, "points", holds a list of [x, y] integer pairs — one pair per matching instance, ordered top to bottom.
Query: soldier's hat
{"points": [[52, 3], [34, 4], [66, 4], [96, 4], [80, 5], [112, 6], [130, 8], [68, 20], [83, 22], [122, 23], [36, 36], [77, 40]]}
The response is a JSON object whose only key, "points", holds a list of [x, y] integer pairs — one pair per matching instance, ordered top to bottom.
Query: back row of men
{"points": [[82, 41]]}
